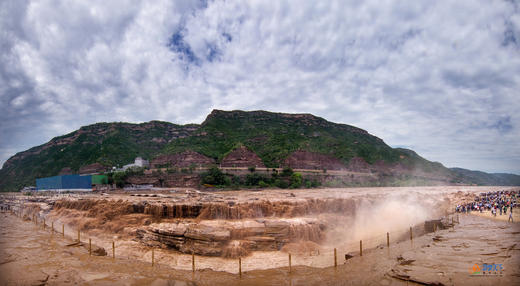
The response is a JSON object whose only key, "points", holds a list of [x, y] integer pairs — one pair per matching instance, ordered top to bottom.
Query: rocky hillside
{"points": [[274, 136], [234, 138], [302, 141], [110, 144]]}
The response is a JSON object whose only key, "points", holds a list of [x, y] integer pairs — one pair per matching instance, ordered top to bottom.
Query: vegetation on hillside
{"points": [[273, 136], [111, 144], [286, 179]]}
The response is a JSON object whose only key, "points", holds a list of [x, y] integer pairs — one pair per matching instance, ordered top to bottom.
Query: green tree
{"points": [[214, 176], [119, 179], [296, 180]]}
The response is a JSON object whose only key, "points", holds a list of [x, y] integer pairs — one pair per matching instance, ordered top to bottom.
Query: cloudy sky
{"points": [[439, 77]]}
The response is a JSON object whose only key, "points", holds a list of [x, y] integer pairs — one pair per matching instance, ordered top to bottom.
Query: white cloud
{"points": [[441, 77]]}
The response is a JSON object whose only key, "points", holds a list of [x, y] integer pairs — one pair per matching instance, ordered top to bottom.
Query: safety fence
{"points": [[348, 249]]}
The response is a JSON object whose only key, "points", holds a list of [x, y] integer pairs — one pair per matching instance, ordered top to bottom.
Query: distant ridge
{"points": [[483, 178]]}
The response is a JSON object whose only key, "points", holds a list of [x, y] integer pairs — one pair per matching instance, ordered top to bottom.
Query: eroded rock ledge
{"points": [[200, 208], [231, 238]]}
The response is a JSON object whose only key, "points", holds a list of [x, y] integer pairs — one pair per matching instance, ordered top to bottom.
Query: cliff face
{"points": [[285, 118], [242, 157], [182, 160], [313, 161], [358, 165], [93, 168], [166, 180]]}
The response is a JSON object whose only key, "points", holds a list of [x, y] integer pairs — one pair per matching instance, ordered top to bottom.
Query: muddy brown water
{"points": [[30, 255]]}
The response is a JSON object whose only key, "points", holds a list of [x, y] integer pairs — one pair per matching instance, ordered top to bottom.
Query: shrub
{"points": [[134, 171], [287, 172], [214, 176], [254, 179], [236, 180], [296, 180], [263, 184], [281, 184]]}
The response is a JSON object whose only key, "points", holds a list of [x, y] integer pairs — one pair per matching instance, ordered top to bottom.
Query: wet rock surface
{"points": [[231, 224], [438, 224], [219, 238], [99, 251], [449, 255], [43, 260]]}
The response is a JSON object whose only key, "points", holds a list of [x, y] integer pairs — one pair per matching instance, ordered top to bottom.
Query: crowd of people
{"points": [[497, 202]]}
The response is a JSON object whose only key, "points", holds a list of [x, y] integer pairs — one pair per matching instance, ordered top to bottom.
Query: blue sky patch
{"points": [[178, 45]]}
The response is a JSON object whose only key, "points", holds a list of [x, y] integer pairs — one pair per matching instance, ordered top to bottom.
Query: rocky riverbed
{"points": [[257, 225], [446, 257]]}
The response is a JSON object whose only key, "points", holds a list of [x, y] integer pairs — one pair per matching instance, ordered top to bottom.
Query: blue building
{"points": [[65, 182]]}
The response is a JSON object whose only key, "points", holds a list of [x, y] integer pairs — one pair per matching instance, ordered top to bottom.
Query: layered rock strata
{"points": [[242, 157], [182, 160], [314, 161], [93, 168], [166, 180], [205, 209], [231, 238]]}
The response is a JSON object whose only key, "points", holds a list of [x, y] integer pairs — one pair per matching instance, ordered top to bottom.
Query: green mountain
{"points": [[272, 136], [110, 144]]}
